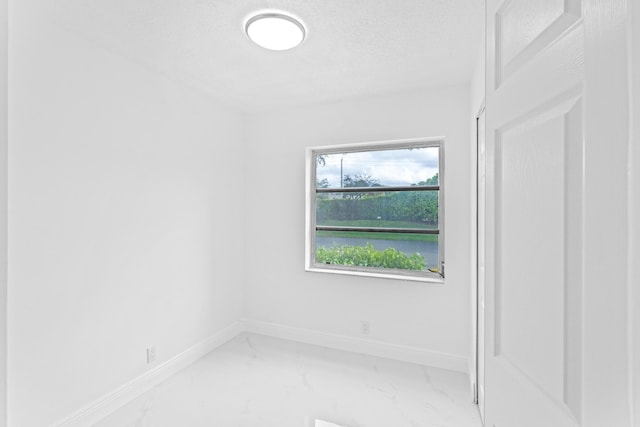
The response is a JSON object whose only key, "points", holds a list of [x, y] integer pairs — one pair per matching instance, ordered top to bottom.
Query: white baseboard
{"points": [[359, 345], [102, 407]]}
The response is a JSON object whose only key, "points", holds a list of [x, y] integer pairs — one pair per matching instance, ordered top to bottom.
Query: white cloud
{"points": [[388, 167]]}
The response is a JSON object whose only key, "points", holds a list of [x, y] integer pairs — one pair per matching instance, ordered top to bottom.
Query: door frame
{"points": [[477, 107], [476, 309]]}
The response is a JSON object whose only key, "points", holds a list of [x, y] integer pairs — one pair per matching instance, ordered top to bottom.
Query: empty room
{"points": [[319, 213]]}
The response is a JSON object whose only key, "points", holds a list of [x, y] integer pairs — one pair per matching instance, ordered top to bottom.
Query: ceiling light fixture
{"points": [[275, 31]]}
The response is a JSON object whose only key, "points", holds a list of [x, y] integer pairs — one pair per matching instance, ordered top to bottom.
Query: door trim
{"points": [[476, 321]]}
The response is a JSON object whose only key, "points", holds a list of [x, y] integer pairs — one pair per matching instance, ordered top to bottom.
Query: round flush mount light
{"points": [[275, 31]]}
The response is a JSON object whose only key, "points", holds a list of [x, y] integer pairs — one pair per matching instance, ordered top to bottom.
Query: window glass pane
{"points": [[396, 167], [393, 209], [389, 214], [397, 251]]}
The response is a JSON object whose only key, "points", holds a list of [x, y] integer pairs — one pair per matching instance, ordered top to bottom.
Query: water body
{"points": [[429, 250]]}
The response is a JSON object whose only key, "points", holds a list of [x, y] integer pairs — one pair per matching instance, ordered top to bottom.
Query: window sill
{"points": [[427, 278]]}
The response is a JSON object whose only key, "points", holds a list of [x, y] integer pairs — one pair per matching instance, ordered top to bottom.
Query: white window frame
{"points": [[310, 211]]}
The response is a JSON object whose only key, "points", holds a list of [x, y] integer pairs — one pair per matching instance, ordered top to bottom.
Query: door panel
{"points": [[524, 28], [529, 194], [537, 281]]}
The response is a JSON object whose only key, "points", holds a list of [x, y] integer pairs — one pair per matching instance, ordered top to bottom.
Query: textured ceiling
{"points": [[353, 47]]}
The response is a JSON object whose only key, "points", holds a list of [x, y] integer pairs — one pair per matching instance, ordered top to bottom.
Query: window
{"points": [[376, 209]]}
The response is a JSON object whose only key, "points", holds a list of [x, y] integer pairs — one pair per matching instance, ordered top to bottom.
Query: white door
{"points": [[555, 349]]}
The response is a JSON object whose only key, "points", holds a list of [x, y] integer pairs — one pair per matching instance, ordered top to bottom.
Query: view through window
{"points": [[377, 208]]}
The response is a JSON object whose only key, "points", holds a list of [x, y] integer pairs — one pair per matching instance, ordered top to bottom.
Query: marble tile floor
{"points": [[259, 381]]}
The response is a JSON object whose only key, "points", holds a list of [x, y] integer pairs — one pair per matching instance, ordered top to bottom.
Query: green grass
{"points": [[379, 223], [376, 235], [380, 236]]}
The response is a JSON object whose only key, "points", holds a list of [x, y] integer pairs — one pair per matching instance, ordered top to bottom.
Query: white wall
{"points": [[124, 220], [421, 315]]}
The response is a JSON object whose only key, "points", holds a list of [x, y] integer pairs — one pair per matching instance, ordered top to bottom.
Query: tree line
{"points": [[411, 206]]}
